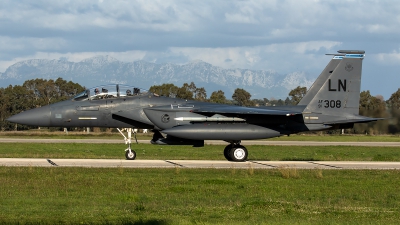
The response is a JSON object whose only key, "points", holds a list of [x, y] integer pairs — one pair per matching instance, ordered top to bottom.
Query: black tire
{"points": [[227, 152], [238, 153], [130, 155]]}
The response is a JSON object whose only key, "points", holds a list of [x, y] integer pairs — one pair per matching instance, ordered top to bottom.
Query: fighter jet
{"points": [[332, 102]]}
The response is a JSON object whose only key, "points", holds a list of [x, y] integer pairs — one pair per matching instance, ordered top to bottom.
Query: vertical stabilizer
{"points": [[321, 79], [338, 91]]}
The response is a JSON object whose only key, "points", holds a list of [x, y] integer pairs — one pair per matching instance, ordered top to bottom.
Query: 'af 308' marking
{"points": [[330, 103]]}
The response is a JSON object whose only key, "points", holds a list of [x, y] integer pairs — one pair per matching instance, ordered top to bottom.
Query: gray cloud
{"points": [[198, 23], [285, 36]]}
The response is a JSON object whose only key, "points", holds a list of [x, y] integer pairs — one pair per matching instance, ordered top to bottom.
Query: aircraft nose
{"points": [[34, 117]]}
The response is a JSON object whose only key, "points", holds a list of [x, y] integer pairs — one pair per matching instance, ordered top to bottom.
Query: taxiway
{"points": [[110, 163], [117, 163]]}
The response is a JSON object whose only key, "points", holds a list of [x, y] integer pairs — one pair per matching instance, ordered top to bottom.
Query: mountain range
{"points": [[105, 70]]}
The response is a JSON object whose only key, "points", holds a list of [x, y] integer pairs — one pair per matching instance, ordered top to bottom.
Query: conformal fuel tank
{"points": [[221, 131]]}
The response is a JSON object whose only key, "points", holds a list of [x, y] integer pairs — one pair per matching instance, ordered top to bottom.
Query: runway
{"points": [[207, 142], [112, 163], [204, 164]]}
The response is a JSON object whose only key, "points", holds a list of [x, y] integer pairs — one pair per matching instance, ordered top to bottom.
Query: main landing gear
{"points": [[235, 152], [129, 153]]}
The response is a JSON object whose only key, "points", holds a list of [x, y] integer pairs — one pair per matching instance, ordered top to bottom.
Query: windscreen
{"points": [[110, 91]]}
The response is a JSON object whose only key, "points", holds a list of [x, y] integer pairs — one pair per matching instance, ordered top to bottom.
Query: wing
{"points": [[239, 110]]}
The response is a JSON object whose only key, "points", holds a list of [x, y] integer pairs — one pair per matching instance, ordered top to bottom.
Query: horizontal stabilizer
{"points": [[361, 119]]}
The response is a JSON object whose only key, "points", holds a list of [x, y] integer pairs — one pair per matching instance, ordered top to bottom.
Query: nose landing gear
{"points": [[129, 153]]}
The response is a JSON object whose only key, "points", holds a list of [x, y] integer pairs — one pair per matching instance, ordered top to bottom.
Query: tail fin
{"points": [[321, 79], [337, 90]]}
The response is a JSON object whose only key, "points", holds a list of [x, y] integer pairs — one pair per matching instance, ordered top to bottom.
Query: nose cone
{"points": [[34, 117]]}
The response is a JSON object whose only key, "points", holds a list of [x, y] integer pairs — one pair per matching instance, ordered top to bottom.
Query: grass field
{"points": [[141, 136], [209, 152], [30, 195], [38, 195]]}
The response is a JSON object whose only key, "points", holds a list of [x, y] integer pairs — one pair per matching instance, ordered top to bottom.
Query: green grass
{"points": [[141, 136], [339, 138], [209, 152], [38, 195]]}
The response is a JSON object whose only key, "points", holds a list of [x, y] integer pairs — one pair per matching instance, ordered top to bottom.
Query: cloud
{"points": [[190, 23], [285, 36], [128, 56], [278, 57], [392, 58]]}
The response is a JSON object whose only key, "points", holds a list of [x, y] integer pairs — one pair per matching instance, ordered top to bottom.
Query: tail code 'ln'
{"points": [[337, 89]]}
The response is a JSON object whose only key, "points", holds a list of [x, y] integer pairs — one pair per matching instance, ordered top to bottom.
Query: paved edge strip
{"points": [[187, 164]]}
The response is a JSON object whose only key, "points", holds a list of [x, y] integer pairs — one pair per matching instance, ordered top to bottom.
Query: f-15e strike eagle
{"points": [[332, 102]]}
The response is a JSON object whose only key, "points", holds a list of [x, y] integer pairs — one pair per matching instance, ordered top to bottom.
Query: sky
{"points": [[280, 35]]}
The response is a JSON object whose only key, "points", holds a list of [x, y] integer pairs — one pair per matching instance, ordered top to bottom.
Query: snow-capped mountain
{"points": [[105, 70]]}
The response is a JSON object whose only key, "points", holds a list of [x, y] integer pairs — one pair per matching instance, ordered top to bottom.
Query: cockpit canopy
{"points": [[109, 91]]}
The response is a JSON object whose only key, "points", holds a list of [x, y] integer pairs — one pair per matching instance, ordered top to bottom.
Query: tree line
{"points": [[39, 92], [33, 94], [240, 96]]}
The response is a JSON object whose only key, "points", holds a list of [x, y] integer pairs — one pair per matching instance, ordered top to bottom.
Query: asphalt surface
{"points": [[210, 142], [117, 163]]}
